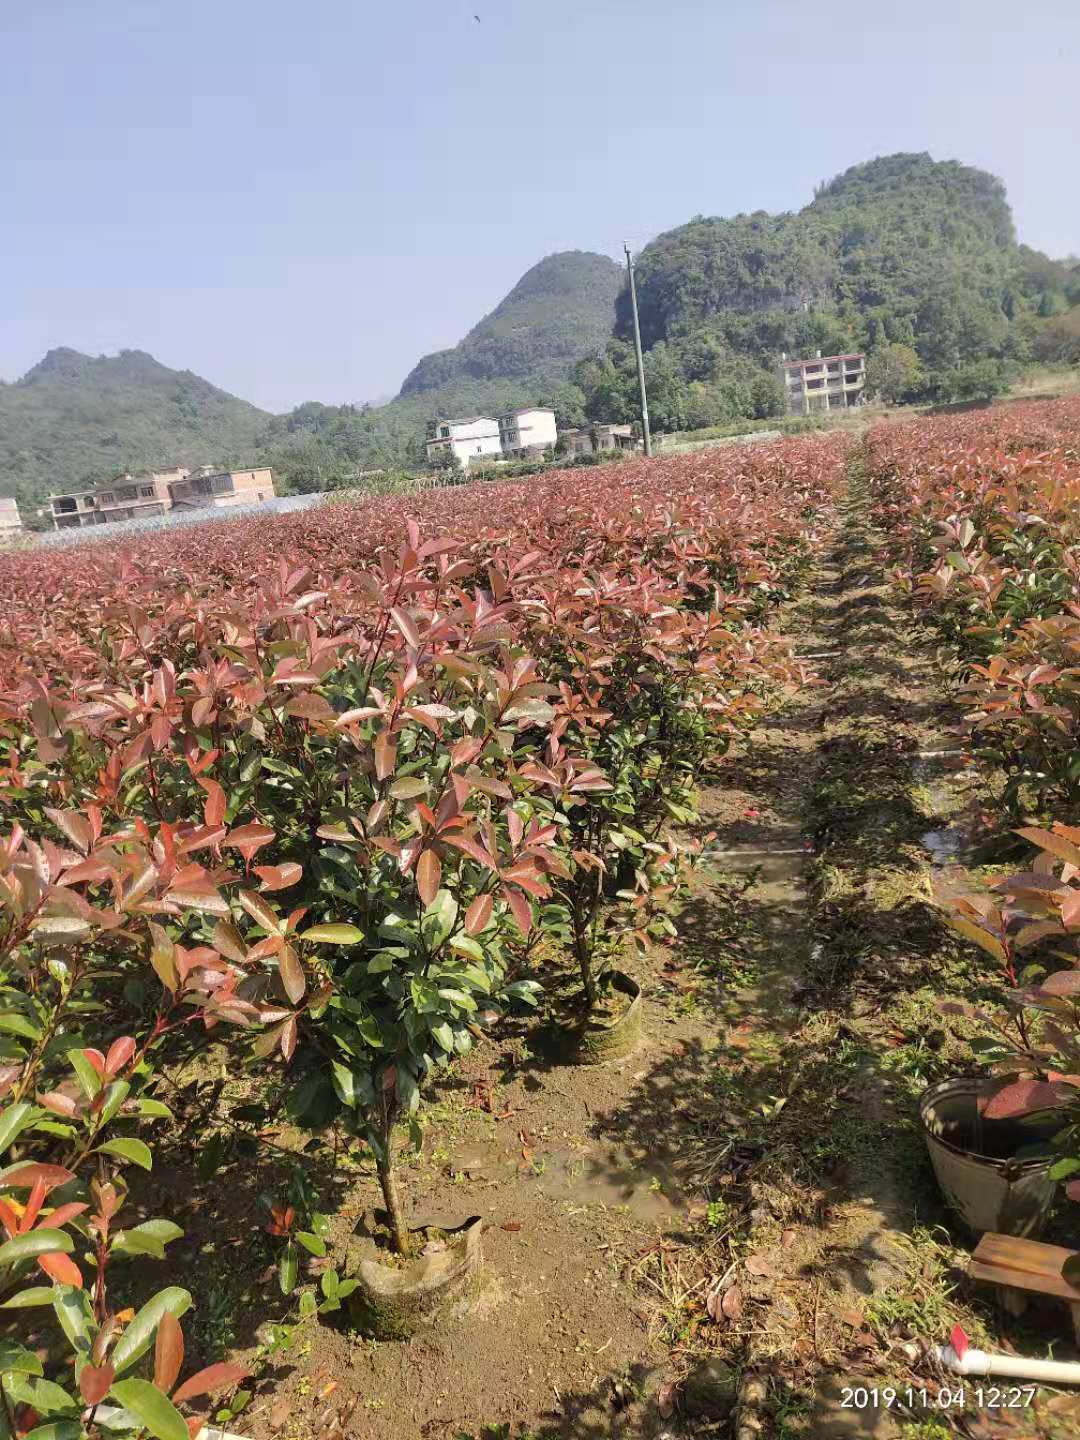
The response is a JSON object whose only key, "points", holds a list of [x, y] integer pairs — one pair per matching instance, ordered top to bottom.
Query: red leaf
{"points": [[407, 625], [385, 756], [214, 808], [249, 839], [428, 876], [278, 877], [520, 907], [478, 915], [292, 974], [120, 1053], [1024, 1097], [33, 1171], [59, 1267], [959, 1341], [168, 1352], [214, 1377], [94, 1382]]}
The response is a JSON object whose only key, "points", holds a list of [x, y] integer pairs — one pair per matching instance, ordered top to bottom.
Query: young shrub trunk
{"points": [[384, 1165], [399, 1230]]}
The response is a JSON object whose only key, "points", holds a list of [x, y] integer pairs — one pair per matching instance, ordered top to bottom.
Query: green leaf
{"points": [[439, 919], [333, 934], [466, 945], [15, 1024], [445, 1036], [89, 1078], [353, 1087], [115, 1096], [153, 1109], [13, 1119], [129, 1149], [1061, 1169], [149, 1238], [35, 1242], [312, 1243], [288, 1269], [328, 1282], [26, 1299], [308, 1304], [76, 1317], [139, 1335], [16, 1358], [45, 1396], [151, 1408], [56, 1430]]}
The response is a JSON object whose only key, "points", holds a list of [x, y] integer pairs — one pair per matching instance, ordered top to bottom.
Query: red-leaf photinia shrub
{"points": [[982, 513], [318, 783]]}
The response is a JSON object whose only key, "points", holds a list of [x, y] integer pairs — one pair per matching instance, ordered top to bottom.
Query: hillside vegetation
{"points": [[904, 251], [74, 416]]}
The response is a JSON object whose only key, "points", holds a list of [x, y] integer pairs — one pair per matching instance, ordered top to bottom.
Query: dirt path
{"points": [[840, 1029]]}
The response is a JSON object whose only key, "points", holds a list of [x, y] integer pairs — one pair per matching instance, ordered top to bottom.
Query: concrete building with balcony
{"points": [[830, 382], [527, 432], [594, 439], [473, 440], [209, 488], [129, 497], [134, 497], [10, 519]]}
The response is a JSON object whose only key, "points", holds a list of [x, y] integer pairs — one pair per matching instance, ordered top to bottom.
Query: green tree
{"points": [[893, 373]]}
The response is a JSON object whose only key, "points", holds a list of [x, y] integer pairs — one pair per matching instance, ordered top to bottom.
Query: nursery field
{"points": [[469, 963]]}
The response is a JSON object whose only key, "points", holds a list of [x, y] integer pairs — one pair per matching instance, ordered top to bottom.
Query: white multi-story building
{"points": [[832, 382], [528, 430], [469, 441], [10, 519]]}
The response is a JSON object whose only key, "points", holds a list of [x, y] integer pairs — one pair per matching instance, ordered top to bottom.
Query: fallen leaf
{"points": [[512, 1225], [787, 1239], [758, 1265], [731, 1303], [854, 1318], [864, 1340], [665, 1400], [279, 1413]]}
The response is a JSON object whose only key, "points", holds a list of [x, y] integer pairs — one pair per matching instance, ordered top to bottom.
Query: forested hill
{"points": [[903, 251], [558, 311], [75, 417]]}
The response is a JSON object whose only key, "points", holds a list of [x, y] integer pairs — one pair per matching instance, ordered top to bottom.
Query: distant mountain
{"points": [[558, 311], [74, 416]]}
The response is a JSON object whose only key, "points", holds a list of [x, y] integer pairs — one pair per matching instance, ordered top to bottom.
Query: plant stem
{"points": [[395, 1211]]}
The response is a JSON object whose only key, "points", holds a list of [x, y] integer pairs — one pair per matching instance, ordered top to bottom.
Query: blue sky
{"points": [[298, 200]]}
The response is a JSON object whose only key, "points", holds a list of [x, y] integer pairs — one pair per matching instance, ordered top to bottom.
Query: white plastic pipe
{"points": [[1018, 1367]]}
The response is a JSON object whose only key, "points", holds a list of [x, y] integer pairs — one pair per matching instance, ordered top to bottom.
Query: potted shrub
{"points": [[1028, 1108]]}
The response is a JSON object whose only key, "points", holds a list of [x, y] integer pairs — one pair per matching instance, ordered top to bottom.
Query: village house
{"points": [[832, 382], [527, 432], [592, 439], [470, 441], [220, 489], [134, 497], [10, 519]]}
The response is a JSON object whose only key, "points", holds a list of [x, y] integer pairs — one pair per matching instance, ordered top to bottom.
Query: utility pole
{"points": [[646, 437]]}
